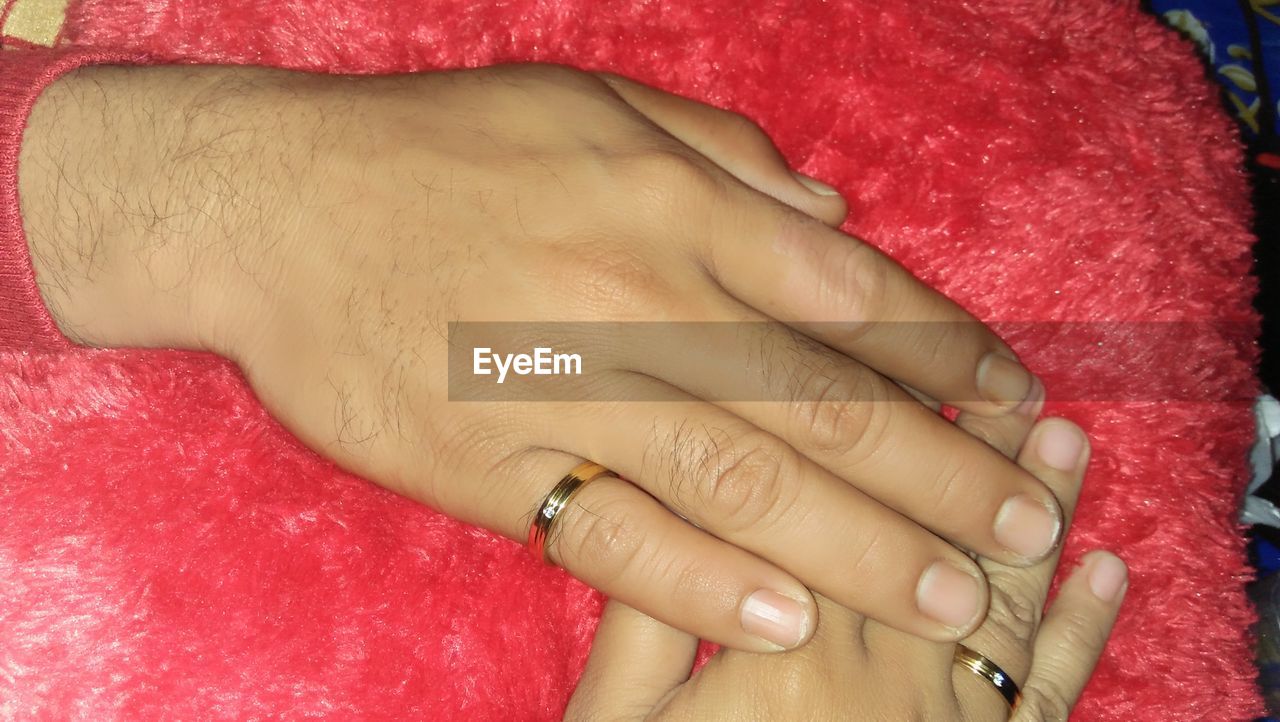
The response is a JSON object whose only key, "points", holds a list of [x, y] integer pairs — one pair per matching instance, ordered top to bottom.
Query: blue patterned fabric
{"points": [[1241, 42]]}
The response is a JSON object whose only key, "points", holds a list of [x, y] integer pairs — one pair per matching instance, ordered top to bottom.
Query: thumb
{"points": [[734, 143], [635, 662]]}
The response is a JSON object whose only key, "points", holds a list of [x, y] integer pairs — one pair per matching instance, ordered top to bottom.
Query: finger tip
{"points": [[1002, 381], [1061, 444], [1028, 528], [1107, 575], [953, 597], [778, 621]]}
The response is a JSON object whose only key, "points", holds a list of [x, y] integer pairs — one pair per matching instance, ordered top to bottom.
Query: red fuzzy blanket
{"points": [[168, 552]]}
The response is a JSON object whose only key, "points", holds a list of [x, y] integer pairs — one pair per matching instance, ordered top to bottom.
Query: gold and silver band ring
{"points": [[556, 501], [990, 671]]}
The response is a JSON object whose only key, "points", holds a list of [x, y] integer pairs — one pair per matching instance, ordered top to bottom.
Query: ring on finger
{"points": [[556, 500], [990, 671]]}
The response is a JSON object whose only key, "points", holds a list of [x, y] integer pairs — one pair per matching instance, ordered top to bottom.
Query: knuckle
{"points": [[854, 283], [843, 417], [743, 483], [603, 540], [1011, 614], [1080, 635], [1044, 703]]}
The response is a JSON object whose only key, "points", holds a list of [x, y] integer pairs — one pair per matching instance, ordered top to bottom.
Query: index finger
{"points": [[853, 298], [1073, 636], [635, 663]]}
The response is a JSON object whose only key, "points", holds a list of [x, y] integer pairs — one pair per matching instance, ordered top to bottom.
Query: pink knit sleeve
{"points": [[25, 323]]}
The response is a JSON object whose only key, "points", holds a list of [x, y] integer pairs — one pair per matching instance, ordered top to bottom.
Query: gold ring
{"points": [[555, 501], [990, 671]]}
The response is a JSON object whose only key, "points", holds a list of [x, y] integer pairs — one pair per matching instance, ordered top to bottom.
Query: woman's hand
{"points": [[327, 232], [857, 669]]}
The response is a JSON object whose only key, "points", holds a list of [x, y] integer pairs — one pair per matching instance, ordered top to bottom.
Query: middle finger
{"points": [[862, 429]]}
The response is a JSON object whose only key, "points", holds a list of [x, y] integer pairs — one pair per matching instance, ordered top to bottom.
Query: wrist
{"points": [[123, 234]]}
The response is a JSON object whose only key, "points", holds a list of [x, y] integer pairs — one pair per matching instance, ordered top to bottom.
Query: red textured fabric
{"points": [[24, 321], [170, 552]]}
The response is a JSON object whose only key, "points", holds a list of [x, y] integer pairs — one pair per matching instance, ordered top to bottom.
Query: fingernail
{"points": [[816, 185], [1001, 380], [1034, 403], [1060, 446], [1026, 527], [1107, 577], [948, 595], [775, 618]]}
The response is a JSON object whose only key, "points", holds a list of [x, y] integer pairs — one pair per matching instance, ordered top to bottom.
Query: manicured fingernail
{"points": [[815, 185], [1001, 380], [1034, 403], [1060, 446], [1027, 527], [1107, 577], [948, 595], [775, 618]]}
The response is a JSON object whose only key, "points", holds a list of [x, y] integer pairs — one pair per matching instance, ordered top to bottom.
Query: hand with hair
{"points": [[325, 232], [858, 669]]}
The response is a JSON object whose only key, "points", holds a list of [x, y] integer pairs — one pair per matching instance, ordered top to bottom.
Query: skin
{"points": [[323, 232], [857, 669]]}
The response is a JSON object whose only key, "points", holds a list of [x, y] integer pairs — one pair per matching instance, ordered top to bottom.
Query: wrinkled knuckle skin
{"points": [[854, 284], [842, 418], [741, 483], [602, 542], [1014, 618], [1082, 637], [1043, 704]]}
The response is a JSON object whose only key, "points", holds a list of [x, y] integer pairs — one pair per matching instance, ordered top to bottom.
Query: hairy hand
{"points": [[325, 232]]}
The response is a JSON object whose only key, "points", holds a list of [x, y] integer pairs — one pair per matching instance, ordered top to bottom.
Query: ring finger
{"points": [[756, 492], [618, 539]]}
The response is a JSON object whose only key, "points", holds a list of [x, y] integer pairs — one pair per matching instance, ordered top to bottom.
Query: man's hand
{"points": [[324, 232]]}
